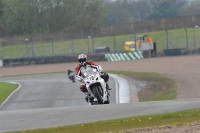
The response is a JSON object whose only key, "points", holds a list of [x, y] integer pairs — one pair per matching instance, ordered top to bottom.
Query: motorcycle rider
{"points": [[83, 65], [69, 71], [71, 75]]}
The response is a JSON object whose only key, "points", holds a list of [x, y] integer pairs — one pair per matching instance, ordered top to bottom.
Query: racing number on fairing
{"points": [[91, 78]]}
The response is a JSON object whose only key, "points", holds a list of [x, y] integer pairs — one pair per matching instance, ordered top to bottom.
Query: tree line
{"points": [[125, 11], [21, 17]]}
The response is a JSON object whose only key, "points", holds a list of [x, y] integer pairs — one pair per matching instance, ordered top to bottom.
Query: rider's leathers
{"points": [[80, 70]]}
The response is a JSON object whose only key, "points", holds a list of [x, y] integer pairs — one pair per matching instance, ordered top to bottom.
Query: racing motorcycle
{"points": [[71, 75], [96, 87]]}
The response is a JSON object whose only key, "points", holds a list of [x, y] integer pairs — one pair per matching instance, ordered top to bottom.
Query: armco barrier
{"points": [[124, 56], [72, 58], [50, 59]]}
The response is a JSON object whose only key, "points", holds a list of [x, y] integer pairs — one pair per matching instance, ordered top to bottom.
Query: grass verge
{"points": [[158, 87], [6, 89], [174, 118]]}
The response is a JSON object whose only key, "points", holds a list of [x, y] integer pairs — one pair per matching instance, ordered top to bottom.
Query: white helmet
{"points": [[82, 58]]}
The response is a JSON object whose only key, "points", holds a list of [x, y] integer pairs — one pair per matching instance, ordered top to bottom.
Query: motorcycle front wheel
{"points": [[98, 93]]}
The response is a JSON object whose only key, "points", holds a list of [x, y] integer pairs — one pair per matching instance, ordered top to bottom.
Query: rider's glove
{"points": [[79, 78], [82, 80]]}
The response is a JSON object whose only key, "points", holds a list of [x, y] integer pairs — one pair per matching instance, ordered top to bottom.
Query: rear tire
{"points": [[74, 79], [107, 102], [95, 103]]}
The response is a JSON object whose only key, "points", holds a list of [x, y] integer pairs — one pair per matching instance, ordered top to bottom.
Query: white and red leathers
{"points": [[79, 70]]}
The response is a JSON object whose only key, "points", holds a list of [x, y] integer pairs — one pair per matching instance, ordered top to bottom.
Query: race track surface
{"points": [[184, 69], [47, 91], [40, 118]]}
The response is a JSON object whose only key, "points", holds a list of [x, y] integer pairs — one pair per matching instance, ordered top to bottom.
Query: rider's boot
{"points": [[107, 87], [88, 97]]}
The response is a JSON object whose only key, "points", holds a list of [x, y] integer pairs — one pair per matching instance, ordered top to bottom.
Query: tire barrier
{"points": [[175, 51], [124, 56]]}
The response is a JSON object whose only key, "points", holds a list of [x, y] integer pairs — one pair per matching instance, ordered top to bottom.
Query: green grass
{"points": [[177, 39], [33, 74], [136, 74], [159, 87], [6, 89], [174, 118]]}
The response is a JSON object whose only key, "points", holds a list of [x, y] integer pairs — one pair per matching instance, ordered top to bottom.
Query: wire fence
{"points": [[181, 38]]}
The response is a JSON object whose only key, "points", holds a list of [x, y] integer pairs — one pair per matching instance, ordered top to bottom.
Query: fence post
{"points": [[134, 34], [186, 37], [26, 40], [31, 41], [167, 41], [114, 43], [88, 44], [93, 44], [72, 46], [52, 48], [4, 53]]}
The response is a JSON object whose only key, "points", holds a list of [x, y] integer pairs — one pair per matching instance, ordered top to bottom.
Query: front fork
{"points": [[106, 93]]}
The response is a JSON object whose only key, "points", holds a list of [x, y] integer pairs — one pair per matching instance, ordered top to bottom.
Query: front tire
{"points": [[98, 93]]}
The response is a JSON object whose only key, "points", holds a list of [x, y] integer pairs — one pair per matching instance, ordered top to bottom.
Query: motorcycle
{"points": [[71, 76], [96, 87]]}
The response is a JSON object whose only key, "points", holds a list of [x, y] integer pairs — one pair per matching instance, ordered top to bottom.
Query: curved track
{"points": [[185, 70], [47, 91], [52, 100]]}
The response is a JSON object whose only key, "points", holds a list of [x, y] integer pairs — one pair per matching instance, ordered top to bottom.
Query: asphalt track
{"points": [[47, 91], [52, 100]]}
